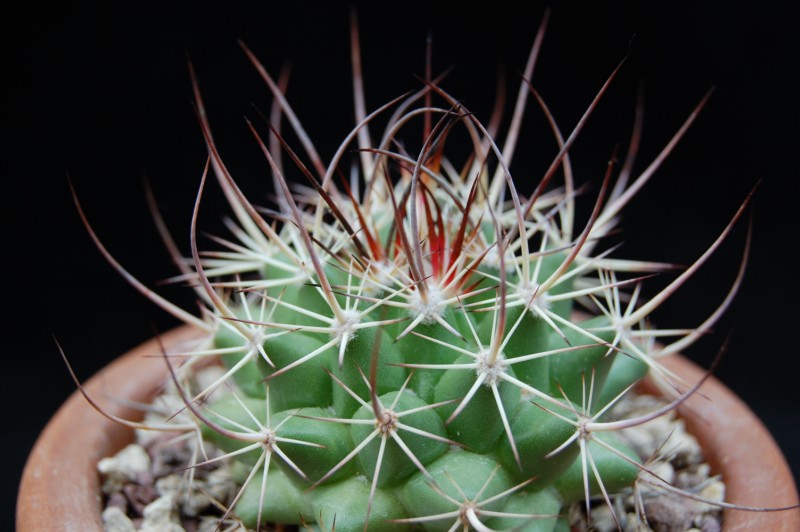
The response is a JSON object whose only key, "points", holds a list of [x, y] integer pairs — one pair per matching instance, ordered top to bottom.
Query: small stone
{"points": [[206, 378], [166, 406], [646, 438], [683, 446], [168, 455], [129, 465], [660, 470], [692, 476], [169, 485], [220, 485], [714, 490], [139, 496], [118, 500], [192, 500], [668, 514], [161, 516], [603, 519], [115, 520], [709, 523], [632, 524]]}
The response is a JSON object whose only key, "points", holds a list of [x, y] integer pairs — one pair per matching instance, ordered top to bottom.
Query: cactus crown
{"points": [[409, 341]]}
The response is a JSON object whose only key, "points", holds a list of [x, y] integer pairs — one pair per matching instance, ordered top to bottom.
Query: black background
{"points": [[101, 93]]}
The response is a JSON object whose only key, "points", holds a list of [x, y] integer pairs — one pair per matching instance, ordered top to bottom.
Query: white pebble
{"points": [[206, 378], [123, 467], [662, 470], [169, 485], [220, 485], [713, 491], [161, 516], [603, 519], [115, 520]]}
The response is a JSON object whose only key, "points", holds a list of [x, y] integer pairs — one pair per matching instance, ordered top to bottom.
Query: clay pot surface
{"points": [[60, 488]]}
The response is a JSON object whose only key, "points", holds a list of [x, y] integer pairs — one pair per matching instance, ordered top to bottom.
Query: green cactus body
{"points": [[417, 350], [408, 354], [356, 365], [574, 372], [236, 413], [479, 424], [310, 425], [537, 433], [396, 465], [616, 471], [459, 479], [282, 501], [348, 506], [541, 507]]}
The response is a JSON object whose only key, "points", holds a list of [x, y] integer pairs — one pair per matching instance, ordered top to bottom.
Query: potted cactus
{"points": [[406, 339]]}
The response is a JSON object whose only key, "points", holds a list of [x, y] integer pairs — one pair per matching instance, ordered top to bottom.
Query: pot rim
{"points": [[60, 487]]}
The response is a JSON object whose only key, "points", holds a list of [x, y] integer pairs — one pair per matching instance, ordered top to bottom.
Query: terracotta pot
{"points": [[60, 488]]}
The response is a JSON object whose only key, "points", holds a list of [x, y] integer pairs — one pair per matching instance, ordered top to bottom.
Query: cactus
{"points": [[410, 341]]}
